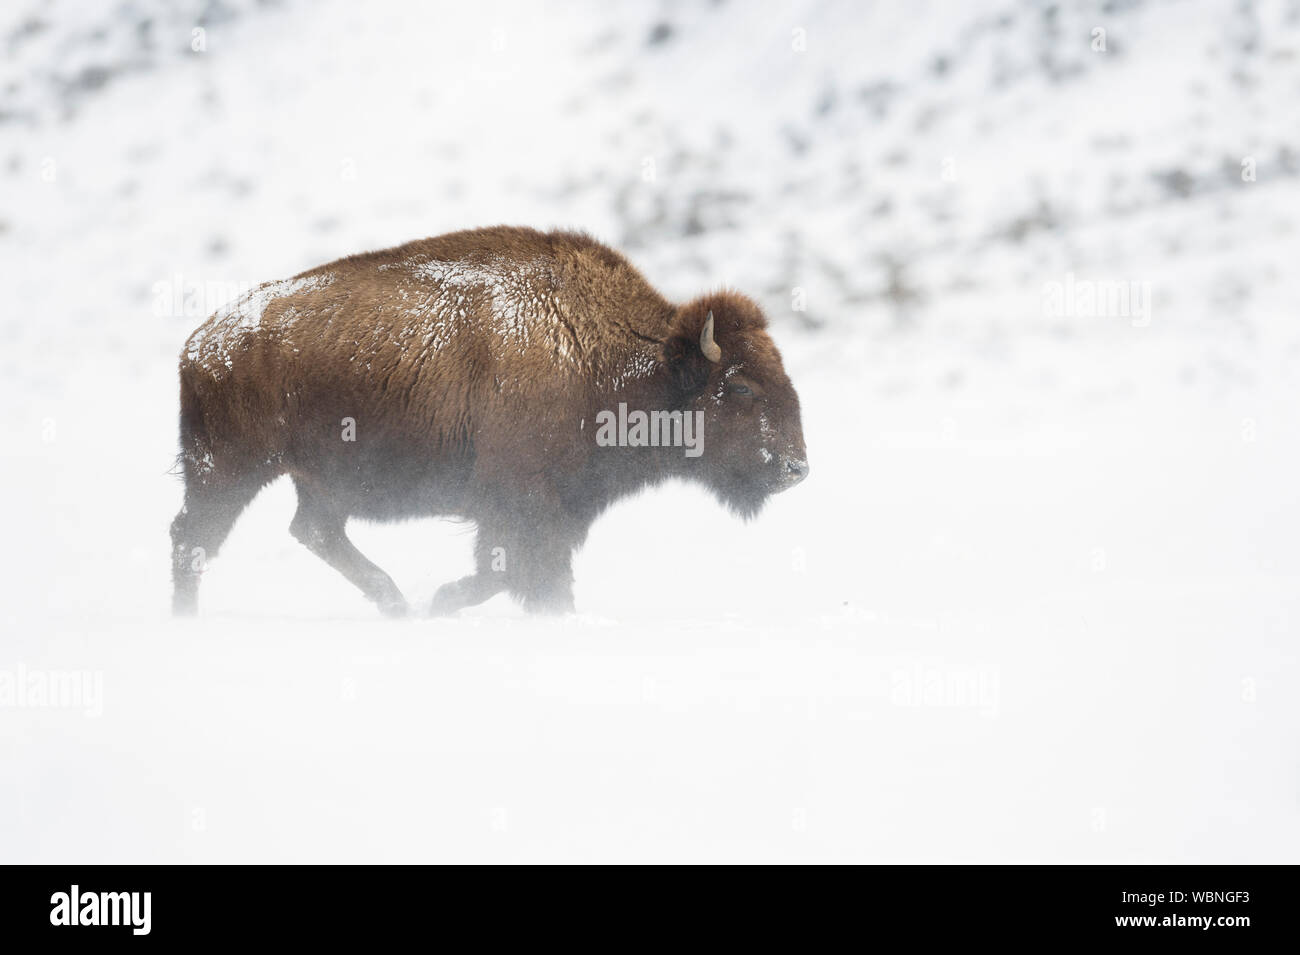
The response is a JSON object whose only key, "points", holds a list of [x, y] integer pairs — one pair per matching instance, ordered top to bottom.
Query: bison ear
{"points": [[691, 357], [690, 369]]}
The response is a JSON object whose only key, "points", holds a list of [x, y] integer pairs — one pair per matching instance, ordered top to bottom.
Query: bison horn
{"points": [[707, 345]]}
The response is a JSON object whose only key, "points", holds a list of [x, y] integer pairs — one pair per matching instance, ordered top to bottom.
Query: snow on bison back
{"points": [[519, 379]]}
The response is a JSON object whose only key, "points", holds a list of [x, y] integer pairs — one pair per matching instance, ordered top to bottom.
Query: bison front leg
{"points": [[321, 529], [535, 568], [541, 575], [486, 582], [463, 593], [552, 596]]}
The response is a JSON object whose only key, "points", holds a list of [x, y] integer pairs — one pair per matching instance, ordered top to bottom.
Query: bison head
{"points": [[723, 363]]}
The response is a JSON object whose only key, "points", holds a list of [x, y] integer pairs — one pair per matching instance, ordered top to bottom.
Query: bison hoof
{"points": [[447, 600], [551, 605], [393, 607]]}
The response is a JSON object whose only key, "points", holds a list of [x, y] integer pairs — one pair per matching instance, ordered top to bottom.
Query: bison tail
{"points": [[194, 442]]}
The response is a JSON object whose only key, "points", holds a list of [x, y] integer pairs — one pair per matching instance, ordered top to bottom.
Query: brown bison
{"points": [[518, 379]]}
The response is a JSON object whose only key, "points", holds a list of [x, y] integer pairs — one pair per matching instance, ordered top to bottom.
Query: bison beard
{"points": [[463, 376]]}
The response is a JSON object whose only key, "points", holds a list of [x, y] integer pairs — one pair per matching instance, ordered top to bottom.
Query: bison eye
{"points": [[740, 389]]}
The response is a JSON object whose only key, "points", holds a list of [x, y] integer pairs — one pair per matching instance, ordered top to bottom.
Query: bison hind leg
{"points": [[212, 505], [321, 528]]}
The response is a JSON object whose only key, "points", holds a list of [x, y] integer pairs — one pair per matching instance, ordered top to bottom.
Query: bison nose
{"points": [[795, 471]]}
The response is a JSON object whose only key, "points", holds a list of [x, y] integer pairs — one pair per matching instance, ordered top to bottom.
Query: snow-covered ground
{"points": [[1036, 601]]}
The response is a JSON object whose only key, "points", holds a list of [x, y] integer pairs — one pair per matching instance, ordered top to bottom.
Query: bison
{"points": [[517, 379]]}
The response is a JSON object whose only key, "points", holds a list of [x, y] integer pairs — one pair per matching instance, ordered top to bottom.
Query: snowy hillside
{"points": [[1035, 283]]}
